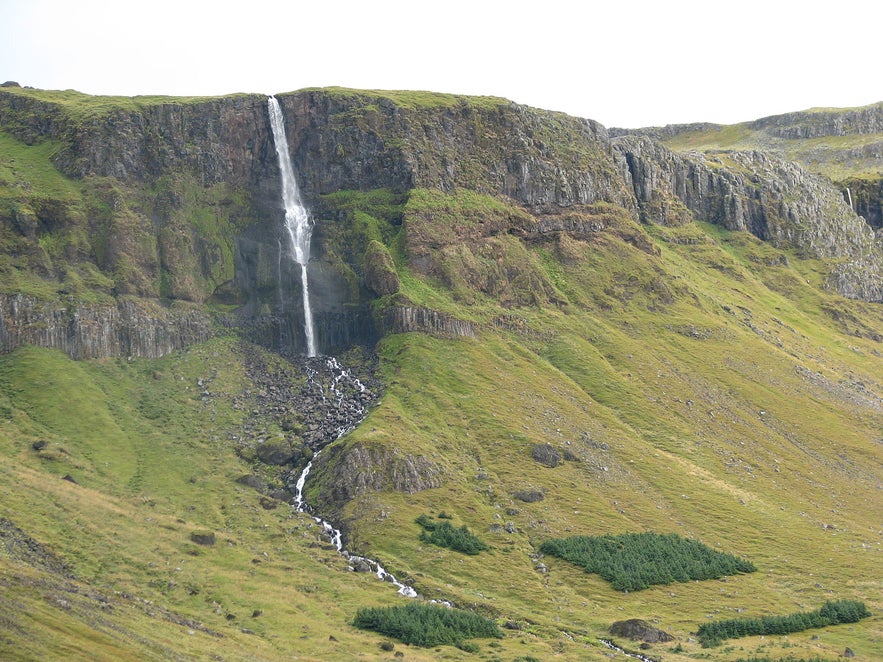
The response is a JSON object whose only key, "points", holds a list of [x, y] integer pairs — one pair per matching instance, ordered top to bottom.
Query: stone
{"points": [[380, 270], [275, 451], [547, 455], [253, 481], [529, 496], [205, 538], [639, 630]]}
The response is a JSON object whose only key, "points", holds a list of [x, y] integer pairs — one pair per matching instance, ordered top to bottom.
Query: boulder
{"points": [[547, 455], [529, 496], [639, 630]]}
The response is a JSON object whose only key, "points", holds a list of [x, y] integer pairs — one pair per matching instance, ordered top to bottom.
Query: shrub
{"points": [[444, 534], [634, 561], [831, 613], [427, 625]]}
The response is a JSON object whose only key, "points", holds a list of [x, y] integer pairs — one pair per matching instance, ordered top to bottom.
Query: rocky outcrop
{"points": [[819, 123], [225, 139], [362, 140], [866, 196], [775, 200], [380, 270], [407, 319], [126, 328], [349, 471], [639, 630]]}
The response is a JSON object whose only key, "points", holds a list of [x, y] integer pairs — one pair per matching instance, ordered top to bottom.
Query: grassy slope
{"points": [[703, 391], [661, 404], [735, 414], [153, 463]]}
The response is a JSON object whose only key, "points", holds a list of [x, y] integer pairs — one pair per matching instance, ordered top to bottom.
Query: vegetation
{"points": [[411, 98], [838, 155], [698, 380], [444, 534], [635, 561], [831, 613], [427, 625]]}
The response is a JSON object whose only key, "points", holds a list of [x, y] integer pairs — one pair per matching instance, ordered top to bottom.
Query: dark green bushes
{"points": [[444, 534], [634, 561], [831, 613], [427, 625]]}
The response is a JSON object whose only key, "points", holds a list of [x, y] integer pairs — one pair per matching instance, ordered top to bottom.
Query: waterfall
{"points": [[298, 224], [342, 377]]}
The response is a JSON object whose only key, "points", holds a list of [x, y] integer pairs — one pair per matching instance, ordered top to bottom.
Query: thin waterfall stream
{"points": [[298, 223], [299, 227], [342, 377]]}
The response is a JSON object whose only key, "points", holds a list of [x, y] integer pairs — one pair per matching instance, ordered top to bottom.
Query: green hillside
{"points": [[631, 379], [742, 409]]}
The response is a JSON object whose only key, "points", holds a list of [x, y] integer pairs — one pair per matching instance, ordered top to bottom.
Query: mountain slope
{"points": [[570, 335]]}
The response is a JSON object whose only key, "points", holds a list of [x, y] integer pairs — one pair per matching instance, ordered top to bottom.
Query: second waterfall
{"points": [[298, 224]]}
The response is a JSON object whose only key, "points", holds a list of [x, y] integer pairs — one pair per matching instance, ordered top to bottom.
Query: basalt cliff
{"points": [[157, 208], [532, 330]]}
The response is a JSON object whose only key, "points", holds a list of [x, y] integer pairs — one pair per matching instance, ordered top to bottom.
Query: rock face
{"points": [[819, 123], [353, 140], [772, 199], [178, 200], [96, 331], [347, 472]]}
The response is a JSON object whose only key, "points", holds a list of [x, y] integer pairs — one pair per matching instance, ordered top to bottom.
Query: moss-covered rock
{"points": [[380, 270]]}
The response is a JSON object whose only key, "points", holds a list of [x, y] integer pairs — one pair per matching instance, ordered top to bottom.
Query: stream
{"points": [[341, 381]]}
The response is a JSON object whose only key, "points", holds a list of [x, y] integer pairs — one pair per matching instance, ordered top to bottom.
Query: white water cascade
{"points": [[298, 223], [342, 375]]}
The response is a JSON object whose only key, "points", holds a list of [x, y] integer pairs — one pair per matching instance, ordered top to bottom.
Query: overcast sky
{"points": [[623, 63]]}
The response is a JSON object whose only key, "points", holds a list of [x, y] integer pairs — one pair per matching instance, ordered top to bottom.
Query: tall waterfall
{"points": [[297, 221]]}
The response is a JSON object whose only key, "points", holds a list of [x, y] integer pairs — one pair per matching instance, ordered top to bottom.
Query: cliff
{"points": [[177, 200]]}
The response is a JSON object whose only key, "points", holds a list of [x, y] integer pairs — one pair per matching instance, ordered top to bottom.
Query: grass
{"points": [[412, 99], [86, 107], [697, 382], [658, 405], [672, 419]]}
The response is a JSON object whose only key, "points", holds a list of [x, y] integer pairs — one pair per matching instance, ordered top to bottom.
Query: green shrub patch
{"points": [[444, 534], [635, 561], [831, 613], [427, 625]]}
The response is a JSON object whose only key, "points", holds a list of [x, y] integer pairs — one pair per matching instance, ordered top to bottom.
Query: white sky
{"points": [[625, 63]]}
